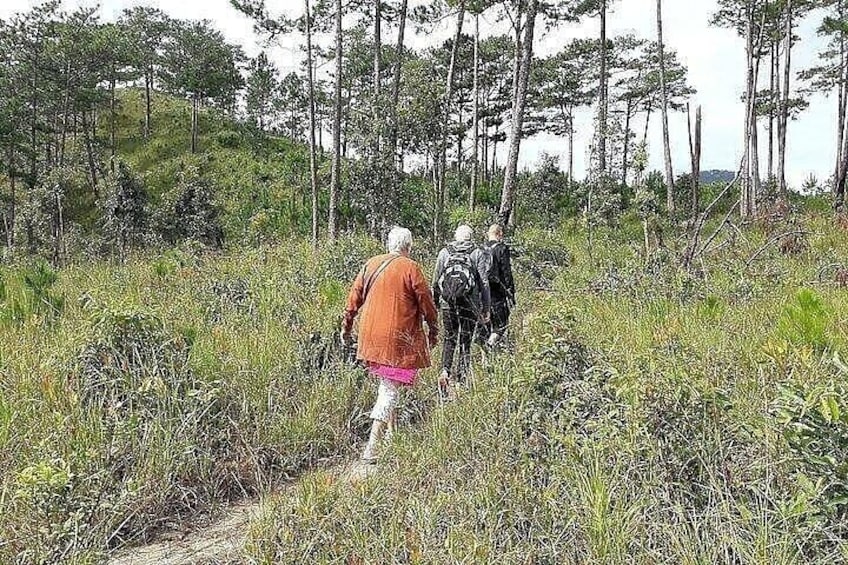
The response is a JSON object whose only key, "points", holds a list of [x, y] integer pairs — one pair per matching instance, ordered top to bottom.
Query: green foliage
{"points": [[125, 212], [190, 213], [31, 294], [804, 321], [814, 424]]}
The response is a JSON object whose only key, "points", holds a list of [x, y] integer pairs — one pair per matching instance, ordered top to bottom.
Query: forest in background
{"points": [[383, 134]]}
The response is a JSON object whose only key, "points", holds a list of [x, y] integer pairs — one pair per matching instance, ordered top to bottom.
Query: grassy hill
{"points": [[261, 182]]}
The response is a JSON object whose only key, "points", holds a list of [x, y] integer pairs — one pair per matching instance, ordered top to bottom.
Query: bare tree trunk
{"points": [[784, 105], [602, 110], [647, 123], [517, 127], [475, 154], [695, 155], [442, 160], [313, 167], [336, 173], [669, 173]]}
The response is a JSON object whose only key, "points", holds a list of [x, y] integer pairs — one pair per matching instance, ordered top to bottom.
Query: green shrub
{"points": [[804, 321]]}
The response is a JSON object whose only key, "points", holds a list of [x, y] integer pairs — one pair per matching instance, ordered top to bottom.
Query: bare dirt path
{"points": [[221, 540]]}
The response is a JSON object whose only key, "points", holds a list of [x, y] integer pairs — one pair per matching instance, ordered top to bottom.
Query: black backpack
{"points": [[457, 281]]}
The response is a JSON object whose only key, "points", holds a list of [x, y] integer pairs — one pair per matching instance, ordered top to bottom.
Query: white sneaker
{"points": [[493, 340]]}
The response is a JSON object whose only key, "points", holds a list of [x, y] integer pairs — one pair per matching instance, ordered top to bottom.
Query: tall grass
{"points": [[646, 416]]}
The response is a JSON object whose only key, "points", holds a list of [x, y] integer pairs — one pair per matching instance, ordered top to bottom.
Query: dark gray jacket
{"points": [[481, 298]]}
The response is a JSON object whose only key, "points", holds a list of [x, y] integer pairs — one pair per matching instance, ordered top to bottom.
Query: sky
{"points": [[715, 58]]}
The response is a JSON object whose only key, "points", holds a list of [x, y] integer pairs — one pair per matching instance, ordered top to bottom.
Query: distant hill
{"points": [[709, 177]]}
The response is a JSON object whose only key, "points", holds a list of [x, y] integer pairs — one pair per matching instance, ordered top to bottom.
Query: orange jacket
{"points": [[392, 314]]}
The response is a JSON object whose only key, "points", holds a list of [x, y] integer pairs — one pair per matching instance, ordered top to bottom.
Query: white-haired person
{"points": [[461, 289], [393, 299]]}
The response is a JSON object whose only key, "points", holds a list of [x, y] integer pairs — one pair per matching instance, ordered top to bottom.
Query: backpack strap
{"points": [[373, 278]]}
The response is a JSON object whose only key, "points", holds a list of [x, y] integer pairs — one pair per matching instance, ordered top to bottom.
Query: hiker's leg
{"points": [[500, 317], [467, 324], [451, 326], [384, 407]]}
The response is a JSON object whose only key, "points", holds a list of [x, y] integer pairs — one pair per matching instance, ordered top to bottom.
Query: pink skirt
{"points": [[396, 374]]}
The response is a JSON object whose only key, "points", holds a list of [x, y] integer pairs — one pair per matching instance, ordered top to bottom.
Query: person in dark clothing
{"points": [[501, 284], [461, 290]]}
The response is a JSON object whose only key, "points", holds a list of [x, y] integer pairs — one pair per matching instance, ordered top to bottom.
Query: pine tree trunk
{"points": [[378, 48], [516, 63], [148, 80], [773, 95], [602, 103], [66, 104], [784, 105], [627, 117], [112, 122], [193, 124], [840, 125], [517, 127], [842, 138], [393, 142], [443, 145], [570, 147], [89, 150], [475, 154], [313, 166], [336, 173], [669, 173], [756, 188], [745, 198], [10, 234]]}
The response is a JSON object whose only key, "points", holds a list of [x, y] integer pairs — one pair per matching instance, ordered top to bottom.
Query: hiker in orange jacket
{"points": [[393, 299]]}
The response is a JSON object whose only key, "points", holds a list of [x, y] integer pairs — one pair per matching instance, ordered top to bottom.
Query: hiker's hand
{"points": [[485, 317]]}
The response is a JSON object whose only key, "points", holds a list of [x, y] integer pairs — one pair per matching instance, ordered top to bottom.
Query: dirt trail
{"points": [[220, 541]]}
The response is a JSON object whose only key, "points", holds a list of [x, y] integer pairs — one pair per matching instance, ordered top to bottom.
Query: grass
{"points": [[163, 386], [647, 416]]}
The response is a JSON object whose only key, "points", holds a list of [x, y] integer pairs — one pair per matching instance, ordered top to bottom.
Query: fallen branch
{"points": [[723, 223], [771, 242], [691, 253], [823, 270]]}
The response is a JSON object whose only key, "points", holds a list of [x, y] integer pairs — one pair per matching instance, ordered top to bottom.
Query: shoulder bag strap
{"points": [[373, 278]]}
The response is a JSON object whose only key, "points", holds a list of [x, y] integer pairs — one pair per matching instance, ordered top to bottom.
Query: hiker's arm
{"points": [[440, 266], [506, 275], [483, 282], [354, 303], [426, 305]]}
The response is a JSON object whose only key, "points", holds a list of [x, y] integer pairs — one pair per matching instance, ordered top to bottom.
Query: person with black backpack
{"points": [[501, 283], [461, 290]]}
